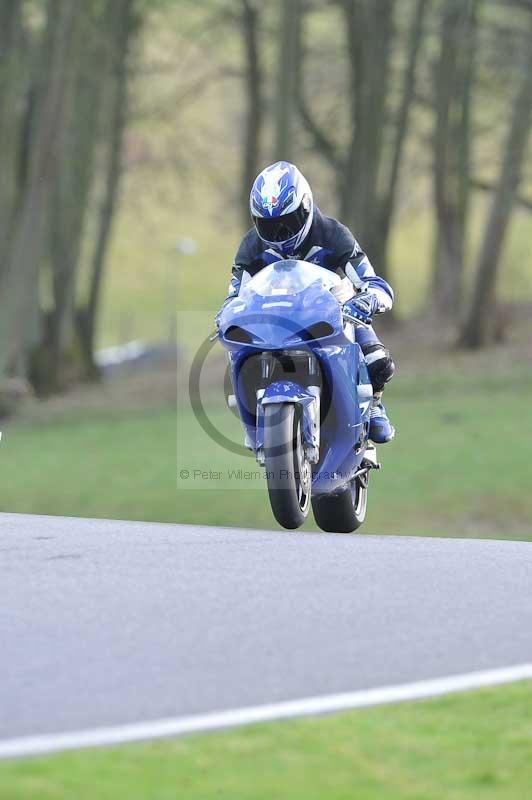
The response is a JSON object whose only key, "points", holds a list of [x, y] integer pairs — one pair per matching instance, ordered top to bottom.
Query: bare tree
{"points": [[290, 18], [250, 20], [125, 26], [370, 32], [453, 82], [12, 88], [407, 96], [367, 167], [69, 200], [19, 280], [481, 326]]}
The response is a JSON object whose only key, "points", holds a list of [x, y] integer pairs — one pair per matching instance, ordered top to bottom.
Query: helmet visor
{"points": [[280, 229]]}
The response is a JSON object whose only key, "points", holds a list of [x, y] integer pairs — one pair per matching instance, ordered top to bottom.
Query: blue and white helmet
{"points": [[282, 207]]}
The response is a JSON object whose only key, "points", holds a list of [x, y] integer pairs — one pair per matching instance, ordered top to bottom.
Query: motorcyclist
{"points": [[287, 224]]}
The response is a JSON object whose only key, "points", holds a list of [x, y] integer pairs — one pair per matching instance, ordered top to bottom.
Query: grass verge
{"points": [[459, 465], [461, 747]]}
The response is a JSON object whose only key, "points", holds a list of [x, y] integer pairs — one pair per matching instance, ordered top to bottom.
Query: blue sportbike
{"points": [[303, 394]]}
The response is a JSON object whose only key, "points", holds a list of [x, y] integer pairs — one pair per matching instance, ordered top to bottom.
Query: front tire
{"points": [[288, 471], [343, 512]]}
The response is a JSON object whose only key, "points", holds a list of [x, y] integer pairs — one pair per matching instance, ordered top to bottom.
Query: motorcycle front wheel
{"points": [[288, 471], [345, 511]]}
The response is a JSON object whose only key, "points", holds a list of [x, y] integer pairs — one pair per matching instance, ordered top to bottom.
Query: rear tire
{"points": [[288, 471], [343, 512]]}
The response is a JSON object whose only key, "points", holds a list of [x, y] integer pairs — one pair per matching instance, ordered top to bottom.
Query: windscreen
{"points": [[289, 277]]}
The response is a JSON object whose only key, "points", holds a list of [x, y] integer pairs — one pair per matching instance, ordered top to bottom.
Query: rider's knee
{"points": [[380, 365]]}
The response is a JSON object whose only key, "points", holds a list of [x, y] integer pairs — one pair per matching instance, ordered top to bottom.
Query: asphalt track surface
{"points": [[108, 623]]}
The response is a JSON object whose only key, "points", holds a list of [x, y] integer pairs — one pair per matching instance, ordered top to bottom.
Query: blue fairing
{"points": [[294, 305]]}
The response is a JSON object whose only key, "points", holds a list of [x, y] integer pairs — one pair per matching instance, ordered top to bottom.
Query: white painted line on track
{"points": [[308, 706]]}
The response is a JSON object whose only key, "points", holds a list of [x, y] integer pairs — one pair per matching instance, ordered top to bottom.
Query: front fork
{"points": [[288, 391], [308, 399]]}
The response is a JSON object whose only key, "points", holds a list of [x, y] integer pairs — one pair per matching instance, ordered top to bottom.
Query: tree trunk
{"points": [[127, 24], [357, 32], [370, 33], [287, 79], [453, 81], [11, 88], [408, 91], [254, 113], [323, 142], [367, 171], [70, 197], [18, 284], [480, 326]]}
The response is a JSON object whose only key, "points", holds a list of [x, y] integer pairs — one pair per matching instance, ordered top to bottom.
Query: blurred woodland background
{"points": [[131, 128]]}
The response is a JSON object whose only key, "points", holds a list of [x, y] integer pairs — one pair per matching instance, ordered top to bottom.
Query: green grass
{"points": [[118, 466], [459, 466], [461, 747]]}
